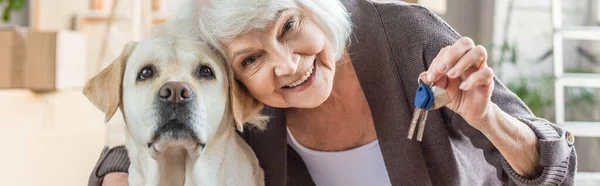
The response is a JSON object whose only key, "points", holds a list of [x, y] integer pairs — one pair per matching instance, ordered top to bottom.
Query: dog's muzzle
{"points": [[175, 110]]}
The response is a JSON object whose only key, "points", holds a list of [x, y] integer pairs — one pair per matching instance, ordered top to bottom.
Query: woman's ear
{"points": [[105, 89], [245, 109]]}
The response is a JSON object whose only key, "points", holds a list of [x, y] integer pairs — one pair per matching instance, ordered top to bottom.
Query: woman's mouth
{"points": [[305, 80]]}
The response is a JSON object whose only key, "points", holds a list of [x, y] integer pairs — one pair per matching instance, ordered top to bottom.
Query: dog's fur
{"points": [[192, 143]]}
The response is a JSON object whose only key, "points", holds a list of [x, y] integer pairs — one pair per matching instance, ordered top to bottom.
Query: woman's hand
{"points": [[462, 70], [115, 179]]}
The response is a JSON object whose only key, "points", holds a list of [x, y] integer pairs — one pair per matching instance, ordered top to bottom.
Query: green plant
{"points": [[11, 6], [538, 94]]}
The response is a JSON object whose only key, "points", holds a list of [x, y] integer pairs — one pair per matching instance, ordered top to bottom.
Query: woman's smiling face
{"points": [[286, 64]]}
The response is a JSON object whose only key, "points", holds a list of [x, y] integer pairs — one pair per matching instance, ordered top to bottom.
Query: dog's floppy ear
{"points": [[105, 89], [245, 109]]}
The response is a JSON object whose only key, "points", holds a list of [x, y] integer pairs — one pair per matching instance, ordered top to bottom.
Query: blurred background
{"points": [[546, 51]]}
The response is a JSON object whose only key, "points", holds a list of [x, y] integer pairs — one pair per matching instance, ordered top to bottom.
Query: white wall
{"points": [[470, 18]]}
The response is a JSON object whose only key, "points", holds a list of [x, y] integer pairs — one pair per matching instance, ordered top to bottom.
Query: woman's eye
{"points": [[287, 26], [248, 61], [205, 72], [146, 73]]}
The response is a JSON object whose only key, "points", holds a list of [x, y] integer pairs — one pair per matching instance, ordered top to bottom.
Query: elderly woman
{"points": [[338, 78]]}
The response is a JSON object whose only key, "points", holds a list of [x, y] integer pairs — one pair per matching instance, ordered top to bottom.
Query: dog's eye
{"points": [[205, 72], [146, 73]]}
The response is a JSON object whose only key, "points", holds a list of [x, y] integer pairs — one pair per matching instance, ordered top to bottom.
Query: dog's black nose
{"points": [[175, 92]]}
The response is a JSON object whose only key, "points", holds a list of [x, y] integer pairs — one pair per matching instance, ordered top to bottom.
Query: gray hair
{"points": [[219, 21]]}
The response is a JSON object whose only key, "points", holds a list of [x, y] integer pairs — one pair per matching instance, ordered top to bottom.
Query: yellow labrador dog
{"points": [[181, 106]]}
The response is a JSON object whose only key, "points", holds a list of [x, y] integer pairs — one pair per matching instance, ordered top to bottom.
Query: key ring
{"points": [[419, 81]]}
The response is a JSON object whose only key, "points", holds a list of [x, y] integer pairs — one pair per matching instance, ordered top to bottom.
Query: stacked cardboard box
{"points": [[12, 56], [42, 60], [55, 60]]}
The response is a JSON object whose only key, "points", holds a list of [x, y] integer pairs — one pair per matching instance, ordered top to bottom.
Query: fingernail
{"points": [[442, 68], [451, 72], [430, 77], [464, 85]]}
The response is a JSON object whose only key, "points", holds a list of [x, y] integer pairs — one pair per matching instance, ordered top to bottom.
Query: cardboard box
{"points": [[12, 56], [55, 60]]}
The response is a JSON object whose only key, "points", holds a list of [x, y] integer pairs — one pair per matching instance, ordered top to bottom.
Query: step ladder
{"points": [[563, 79]]}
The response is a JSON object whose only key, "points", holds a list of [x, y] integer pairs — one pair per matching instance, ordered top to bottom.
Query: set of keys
{"points": [[427, 98]]}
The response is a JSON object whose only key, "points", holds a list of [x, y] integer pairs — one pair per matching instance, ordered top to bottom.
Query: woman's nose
{"points": [[287, 65]]}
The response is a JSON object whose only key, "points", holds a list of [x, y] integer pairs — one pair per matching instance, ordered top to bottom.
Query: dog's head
{"points": [[172, 90]]}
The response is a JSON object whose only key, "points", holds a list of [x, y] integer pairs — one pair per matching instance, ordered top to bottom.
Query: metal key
{"points": [[427, 98], [440, 99], [423, 101], [425, 113], [414, 121], [422, 126]]}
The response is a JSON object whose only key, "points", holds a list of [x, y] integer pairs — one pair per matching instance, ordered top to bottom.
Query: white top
{"points": [[355, 167]]}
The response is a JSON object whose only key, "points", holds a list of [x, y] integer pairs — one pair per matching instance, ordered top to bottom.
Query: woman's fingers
{"points": [[448, 57], [475, 57], [462, 59], [432, 73], [484, 76], [441, 82]]}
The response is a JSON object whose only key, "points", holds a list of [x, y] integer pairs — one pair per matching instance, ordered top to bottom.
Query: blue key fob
{"points": [[423, 97], [430, 102]]}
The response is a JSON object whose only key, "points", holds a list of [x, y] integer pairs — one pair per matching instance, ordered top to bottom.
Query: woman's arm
{"points": [[462, 70], [507, 122], [514, 139], [534, 151], [546, 158], [111, 168], [116, 179]]}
